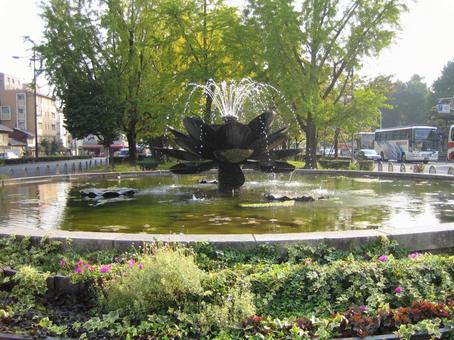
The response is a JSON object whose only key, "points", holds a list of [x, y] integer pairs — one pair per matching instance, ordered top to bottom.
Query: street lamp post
{"points": [[34, 99]]}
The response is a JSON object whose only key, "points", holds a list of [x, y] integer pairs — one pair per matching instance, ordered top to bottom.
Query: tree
{"points": [[203, 32], [114, 48], [311, 49], [78, 66], [444, 86], [409, 103], [360, 108], [90, 109]]}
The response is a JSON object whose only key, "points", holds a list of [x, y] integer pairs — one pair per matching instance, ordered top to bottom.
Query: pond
{"points": [[179, 204]]}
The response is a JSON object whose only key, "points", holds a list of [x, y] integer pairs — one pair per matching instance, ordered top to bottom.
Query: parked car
{"points": [[327, 152], [123, 153], [368, 154], [8, 155]]}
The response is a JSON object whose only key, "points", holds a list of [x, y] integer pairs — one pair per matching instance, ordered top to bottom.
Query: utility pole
{"points": [[35, 104]]}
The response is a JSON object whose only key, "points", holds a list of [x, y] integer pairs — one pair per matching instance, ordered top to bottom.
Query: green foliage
{"points": [[320, 46], [444, 85], [409, 103], [334, 163], [148, 164], [366, 165], [16, 252], [168, 279], [343, 283], [29, 285], [207, 292], [46, 323], [430, 327]]}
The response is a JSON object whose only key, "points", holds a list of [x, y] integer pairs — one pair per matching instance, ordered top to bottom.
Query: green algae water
{"points": [[179, 204]]}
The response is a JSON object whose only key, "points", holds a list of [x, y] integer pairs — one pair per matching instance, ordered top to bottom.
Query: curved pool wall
{"points": [[422, 238]]}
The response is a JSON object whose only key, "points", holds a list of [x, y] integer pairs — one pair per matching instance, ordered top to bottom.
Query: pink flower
{"points": [[413, 255], [383, 258], [308, 261], [132, 262], [62, 263], [80, 263], [140, 265], [105, 268], [78, 270], [398, 290], [363, 308]]}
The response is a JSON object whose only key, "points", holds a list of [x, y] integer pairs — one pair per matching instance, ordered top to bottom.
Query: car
{"points": [[327, 152], [123, 153], [368, 154], [8, 155]]}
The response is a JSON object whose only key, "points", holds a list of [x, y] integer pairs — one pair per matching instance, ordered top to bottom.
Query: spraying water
{"points": [[230, 98]]}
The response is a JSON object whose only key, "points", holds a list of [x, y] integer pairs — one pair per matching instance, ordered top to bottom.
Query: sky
{"points": [[424, 46]]}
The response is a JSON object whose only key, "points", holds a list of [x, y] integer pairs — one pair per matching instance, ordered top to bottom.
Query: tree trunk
{"points": [[207, 112], [207, 116], [132, 140], [336, 142], [311, 143], [111, 156]]}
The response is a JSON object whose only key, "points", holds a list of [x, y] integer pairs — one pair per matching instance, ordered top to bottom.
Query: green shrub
{"points": [[334, 163], [148, 164], [366, 165], [167, 279], [302, 289]]}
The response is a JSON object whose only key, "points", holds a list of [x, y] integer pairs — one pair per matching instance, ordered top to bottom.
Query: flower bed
{"points": [[168, 291]]}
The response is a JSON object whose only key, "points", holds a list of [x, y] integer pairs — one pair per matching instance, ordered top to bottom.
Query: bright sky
{"points": [[424, 46]]}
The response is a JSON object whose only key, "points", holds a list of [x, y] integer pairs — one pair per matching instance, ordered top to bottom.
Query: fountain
{"points": [[230, 145]]}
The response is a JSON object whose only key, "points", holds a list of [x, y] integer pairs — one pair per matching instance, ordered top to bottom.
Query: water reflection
{"points": [[166, 204], [34, 205]]}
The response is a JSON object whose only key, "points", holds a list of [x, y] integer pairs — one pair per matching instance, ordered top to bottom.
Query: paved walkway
{"points": [[51, 168]]}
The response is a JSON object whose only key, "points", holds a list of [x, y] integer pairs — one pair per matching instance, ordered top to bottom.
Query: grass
{"points": [[297, 164], [126, 167]]}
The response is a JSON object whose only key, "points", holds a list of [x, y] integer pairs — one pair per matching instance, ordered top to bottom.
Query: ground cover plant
{"points": [[170, 291]]}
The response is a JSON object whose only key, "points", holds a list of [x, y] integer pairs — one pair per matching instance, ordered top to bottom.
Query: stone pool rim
{"points": [[437, 237]]}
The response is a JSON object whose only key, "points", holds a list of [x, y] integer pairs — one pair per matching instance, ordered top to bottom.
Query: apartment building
{"points": [[17, 112]]}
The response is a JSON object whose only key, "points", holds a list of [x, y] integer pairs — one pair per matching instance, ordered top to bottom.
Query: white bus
{"points": [[364, 140], [412, 143]]}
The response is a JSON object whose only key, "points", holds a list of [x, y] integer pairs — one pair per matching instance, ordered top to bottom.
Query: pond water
{"points": [[178, 204]]}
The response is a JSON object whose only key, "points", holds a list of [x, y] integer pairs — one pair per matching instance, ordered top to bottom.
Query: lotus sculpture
{"points": [[228, 146]]}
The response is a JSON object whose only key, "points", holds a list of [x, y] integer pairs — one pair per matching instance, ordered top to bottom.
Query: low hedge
{"points": [[26, 160], [334, 163], [148, 164], [366, 165]]}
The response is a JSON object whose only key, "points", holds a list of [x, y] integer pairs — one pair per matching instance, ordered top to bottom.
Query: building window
{"points": [[21, 97], [21, 110], [5, 113], [53, 127]]}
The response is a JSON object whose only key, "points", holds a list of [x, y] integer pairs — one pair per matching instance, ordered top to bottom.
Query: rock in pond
{"points": [[107, 193]]}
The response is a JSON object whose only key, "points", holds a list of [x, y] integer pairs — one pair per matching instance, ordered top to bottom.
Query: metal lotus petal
{"points": [[260, 125], [200, 131], [234, 135], [267, 144], [180, 154], [233, 155], [191, 168]]}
